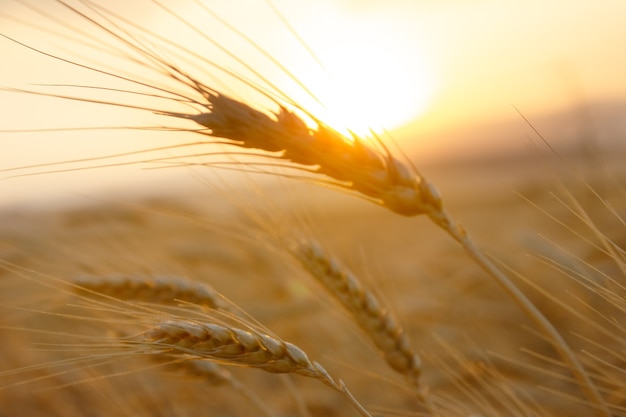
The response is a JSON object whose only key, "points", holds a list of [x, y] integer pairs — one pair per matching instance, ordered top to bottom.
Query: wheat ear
{"points": [[355, 165], [159, 289], [365, 308], [238, 347]]}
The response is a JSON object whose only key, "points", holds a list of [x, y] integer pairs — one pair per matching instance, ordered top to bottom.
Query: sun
{"points": [[350, 65], [373, 77], [375, 84]]}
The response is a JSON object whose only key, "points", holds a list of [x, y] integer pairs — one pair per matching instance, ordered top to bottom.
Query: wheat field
{"points": [[307, 272]]}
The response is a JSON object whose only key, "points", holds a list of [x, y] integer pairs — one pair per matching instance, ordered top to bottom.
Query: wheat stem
{"points": [[458, 233]]}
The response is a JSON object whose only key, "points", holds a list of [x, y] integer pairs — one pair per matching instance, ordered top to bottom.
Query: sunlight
{"points": [[374, 78], [375, 84]]}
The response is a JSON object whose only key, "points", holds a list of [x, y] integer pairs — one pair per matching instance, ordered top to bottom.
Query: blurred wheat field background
{"points": [[102, 312]]}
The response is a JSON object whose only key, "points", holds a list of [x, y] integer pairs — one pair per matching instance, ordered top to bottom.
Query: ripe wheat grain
{"points": [[160, 289], [365, 308], [235, 346]]}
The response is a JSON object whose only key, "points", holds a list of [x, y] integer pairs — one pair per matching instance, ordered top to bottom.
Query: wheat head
{"points": [[351, 162], [159, 289], [365, 308], [235, 346]]}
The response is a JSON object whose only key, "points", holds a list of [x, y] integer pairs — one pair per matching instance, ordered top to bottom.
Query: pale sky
{"points": [[416, 68]]}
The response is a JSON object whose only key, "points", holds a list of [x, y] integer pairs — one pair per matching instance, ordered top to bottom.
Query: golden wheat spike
{"points": [[372, 172], [365, 309], [238, 347]]}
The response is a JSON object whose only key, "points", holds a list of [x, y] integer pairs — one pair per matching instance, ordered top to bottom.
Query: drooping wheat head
{"points": [[228, 345]]}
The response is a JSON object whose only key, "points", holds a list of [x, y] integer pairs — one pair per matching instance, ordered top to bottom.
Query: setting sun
{"points": [[372, 76], [372, 83]]}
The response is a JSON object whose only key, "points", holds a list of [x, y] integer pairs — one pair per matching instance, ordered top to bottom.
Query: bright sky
{"points": [[415, 67]]}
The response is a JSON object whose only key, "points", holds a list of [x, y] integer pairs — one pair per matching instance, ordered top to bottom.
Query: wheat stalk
{"points": [[362, 166]]}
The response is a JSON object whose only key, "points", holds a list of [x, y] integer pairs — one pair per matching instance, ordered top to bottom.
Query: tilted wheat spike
{"points": [[351, 161], [158, 289], [364, 307], [232, 345], [235, 346]]}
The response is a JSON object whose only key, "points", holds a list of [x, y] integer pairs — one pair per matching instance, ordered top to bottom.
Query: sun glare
{"points": [[374, 77], [374, 84]]}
